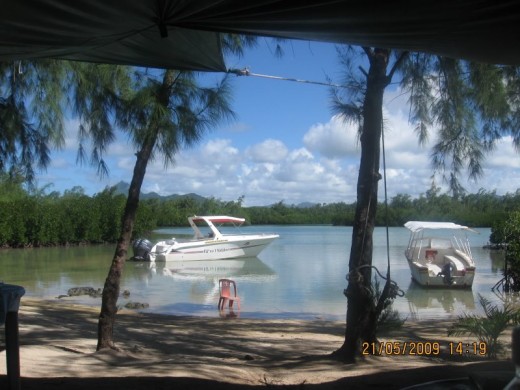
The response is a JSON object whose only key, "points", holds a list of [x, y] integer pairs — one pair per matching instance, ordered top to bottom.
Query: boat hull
{"points": [[216, 249], [439, 254], [423, 276]]}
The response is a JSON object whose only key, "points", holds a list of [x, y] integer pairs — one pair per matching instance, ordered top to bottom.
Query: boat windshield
{"points": [[214, 227], [437, 242], [459, 243]]}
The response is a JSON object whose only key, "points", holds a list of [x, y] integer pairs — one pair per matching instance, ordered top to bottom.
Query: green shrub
{"points": [[486, 329]]}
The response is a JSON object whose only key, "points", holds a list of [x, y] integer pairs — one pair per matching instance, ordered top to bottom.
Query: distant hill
{"points": [[123, 187]]}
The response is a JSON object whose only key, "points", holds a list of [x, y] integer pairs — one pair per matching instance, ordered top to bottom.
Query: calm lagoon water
{"points": [[300, 275]]}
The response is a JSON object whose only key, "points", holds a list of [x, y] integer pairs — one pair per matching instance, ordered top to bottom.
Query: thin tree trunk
{"points": [[112, 283], [361, 317]]}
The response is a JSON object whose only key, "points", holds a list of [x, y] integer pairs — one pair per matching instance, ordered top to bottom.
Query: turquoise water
{"points": [[300, 275]]}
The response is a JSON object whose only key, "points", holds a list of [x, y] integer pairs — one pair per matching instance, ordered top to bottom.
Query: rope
{"points": [[247, 72], [386, 200], [394, 287]]}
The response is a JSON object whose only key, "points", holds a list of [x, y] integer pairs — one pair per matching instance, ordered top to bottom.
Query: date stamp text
{"points": [[424, 348]]}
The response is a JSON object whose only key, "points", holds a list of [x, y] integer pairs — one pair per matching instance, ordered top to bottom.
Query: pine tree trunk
{"points": [[113, 281], [361, 319]]}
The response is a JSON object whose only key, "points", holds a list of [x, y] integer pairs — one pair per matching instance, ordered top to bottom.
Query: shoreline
{"points": [[58, 341]]}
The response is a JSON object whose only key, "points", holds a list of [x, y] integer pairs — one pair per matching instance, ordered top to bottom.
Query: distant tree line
{"points": [[482, 209], [33, 218]]}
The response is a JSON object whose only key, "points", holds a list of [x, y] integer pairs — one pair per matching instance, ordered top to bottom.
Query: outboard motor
{"points": [[142, 248], [447, 271]]}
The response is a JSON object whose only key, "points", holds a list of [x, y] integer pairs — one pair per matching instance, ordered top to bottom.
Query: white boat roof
{"points": [[218, 219], [416, 226]]}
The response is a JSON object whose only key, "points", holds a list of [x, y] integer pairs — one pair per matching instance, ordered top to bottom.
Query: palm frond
{"points": [[487, 329]]}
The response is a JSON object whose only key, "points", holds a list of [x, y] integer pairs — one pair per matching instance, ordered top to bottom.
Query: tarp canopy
{"points": [[484, 30], [127, 32], [181, 34], [217, 219]]}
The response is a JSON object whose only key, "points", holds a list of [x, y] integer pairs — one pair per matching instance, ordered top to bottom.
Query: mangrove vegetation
{"points": [[42, 218]]}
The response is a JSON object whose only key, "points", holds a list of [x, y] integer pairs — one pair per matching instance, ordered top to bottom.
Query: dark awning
{"points": [[483, 30], [106, 31], [181, 33]]}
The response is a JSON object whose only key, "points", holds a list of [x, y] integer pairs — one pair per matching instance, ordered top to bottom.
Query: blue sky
{"points": [[285, 144]]}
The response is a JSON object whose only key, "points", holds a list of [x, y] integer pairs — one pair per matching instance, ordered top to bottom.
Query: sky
{"points": [[285, 143]]}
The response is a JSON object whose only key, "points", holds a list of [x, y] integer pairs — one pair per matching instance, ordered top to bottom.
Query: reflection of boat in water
{"points": [[213, 267], [246, 268], [188, 287], [447, 299]]}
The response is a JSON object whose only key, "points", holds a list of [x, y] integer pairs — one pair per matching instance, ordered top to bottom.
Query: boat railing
{"points": [[415, 244], [462, 245], [418, 248], [414, 249]]}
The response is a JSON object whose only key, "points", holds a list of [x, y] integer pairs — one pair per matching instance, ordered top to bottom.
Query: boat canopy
{"points": [[218, 219], [416, 226]]}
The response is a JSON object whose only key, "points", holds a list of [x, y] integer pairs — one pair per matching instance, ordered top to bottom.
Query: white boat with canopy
{"points": [[213, 245], [439, 254]]}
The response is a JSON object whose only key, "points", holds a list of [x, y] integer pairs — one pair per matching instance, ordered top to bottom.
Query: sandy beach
{"points": [[58, 342]]}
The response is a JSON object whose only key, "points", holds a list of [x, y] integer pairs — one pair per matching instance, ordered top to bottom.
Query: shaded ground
{"points": [[165, 352], [493, 375]]}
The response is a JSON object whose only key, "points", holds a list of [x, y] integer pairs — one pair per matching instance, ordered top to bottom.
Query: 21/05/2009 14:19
{"points": [[424, 348]]}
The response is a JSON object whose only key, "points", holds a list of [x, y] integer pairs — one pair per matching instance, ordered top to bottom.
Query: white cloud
{"points": [[335, 139], [219, 149], [270, 150], [300, 154], [504, 155], [322, 167], [293, 176]]}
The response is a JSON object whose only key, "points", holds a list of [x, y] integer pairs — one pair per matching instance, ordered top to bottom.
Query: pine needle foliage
{"points": [[467, 104], [462, 107], [31, 120]]}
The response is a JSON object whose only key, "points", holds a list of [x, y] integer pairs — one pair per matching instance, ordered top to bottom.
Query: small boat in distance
{"points": [[211, 246], [439, 254]]}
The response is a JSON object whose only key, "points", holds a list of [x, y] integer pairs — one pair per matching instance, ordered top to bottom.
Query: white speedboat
{"points": [[211, 246], [439, 254]]}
